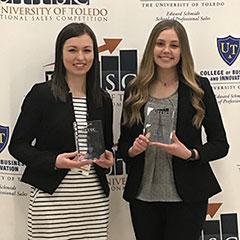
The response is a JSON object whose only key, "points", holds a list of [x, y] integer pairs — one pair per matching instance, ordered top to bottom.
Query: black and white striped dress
{"points": [[78, 209]]}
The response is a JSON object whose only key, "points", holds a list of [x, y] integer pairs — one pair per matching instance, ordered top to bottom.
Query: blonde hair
{"points": [[139, 86]]}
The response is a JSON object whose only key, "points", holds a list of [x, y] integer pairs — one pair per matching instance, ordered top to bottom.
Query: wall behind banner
{"points": [[28, 32]]}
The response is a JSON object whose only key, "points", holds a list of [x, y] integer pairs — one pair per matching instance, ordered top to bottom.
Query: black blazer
{"points": [[49, 122], [195, 180]]}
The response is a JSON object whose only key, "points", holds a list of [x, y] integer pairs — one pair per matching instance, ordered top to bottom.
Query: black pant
{"points": [[168, 220]]}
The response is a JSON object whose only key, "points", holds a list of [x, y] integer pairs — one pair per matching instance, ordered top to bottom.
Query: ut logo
{"points": [[228, 48], [4, 135]]}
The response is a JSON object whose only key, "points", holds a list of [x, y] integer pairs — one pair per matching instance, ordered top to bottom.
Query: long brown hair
{"points": [[59, 85], [139, 86]]}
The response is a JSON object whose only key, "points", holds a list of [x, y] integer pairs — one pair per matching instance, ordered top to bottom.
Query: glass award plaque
{"points": [[160, 123], [89, 139]]}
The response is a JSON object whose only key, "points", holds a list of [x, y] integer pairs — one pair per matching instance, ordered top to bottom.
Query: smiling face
{"points": [[167, 52], [78, 56]]}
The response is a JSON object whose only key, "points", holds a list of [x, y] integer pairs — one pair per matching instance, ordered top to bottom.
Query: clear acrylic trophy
{"points": [[160, 123], [91, 134]]}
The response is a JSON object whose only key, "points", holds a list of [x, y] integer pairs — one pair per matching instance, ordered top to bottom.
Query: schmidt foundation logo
{"points": [[48, 2], [228, 48], [226, 228]]}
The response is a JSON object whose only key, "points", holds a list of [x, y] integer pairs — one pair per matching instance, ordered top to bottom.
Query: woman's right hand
{"points": [[139, 145], [70, 160]]}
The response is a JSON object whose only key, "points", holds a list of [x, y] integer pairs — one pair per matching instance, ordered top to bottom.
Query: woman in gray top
{"points": [[165, 108]]}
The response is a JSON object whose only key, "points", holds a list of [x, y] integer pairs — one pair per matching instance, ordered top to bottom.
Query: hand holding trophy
{"points": [[89, 141]]}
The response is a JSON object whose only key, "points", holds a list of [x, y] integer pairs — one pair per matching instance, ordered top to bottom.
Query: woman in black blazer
{"points": [[169, 183], [69, 198]]}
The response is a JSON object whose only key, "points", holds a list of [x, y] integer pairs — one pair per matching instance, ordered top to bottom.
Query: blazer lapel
{"points": [[185, 109]]}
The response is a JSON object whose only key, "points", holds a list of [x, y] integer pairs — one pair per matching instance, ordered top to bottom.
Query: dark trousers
{"points": [[168, 220]]}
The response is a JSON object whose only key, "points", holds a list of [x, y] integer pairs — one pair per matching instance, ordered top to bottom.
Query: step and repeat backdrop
{"points": [[28, 33]]}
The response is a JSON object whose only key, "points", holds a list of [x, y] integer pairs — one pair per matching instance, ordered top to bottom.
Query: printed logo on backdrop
{"points": [[50, 2], [186, 3], [52, 10], [183, 11], [228, 48], [116, 72], [226, 81], [4, 136], [7, 166], [10, 170], [117, 174], [10, 175], [226, 228]]}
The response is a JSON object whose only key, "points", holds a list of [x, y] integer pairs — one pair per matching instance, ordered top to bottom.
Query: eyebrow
{"points": [[159, 39], [171, 42], [73, 46]]}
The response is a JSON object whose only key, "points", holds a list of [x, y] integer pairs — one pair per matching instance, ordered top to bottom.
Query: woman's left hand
{"points": [[176, 148], [105, 160]]}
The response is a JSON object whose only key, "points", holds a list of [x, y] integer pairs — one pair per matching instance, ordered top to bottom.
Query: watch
{"points": [[193, 155]]}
